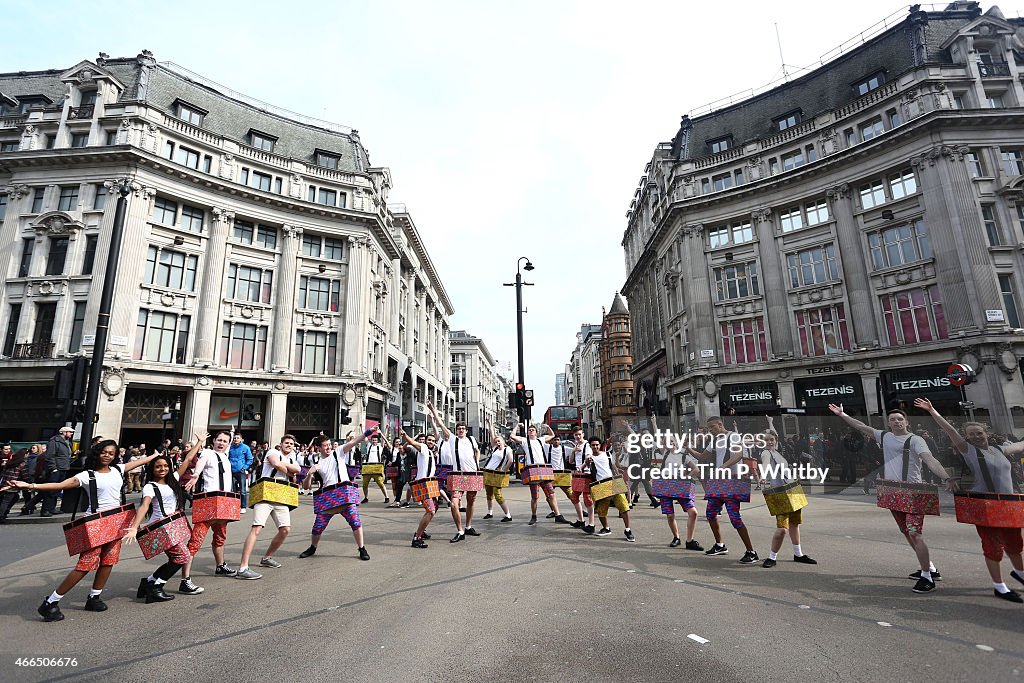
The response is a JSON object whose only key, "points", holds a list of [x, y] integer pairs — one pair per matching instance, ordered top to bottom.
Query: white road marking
{"points": [[805, 607], [884, 623], [695, 637], [985, 648]]}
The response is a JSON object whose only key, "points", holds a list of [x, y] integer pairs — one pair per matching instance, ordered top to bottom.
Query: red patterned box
{"points": [[392, 472], [536, 474], [465, 481], [581, 482], [425, 489], [912, 498], [330, 499], [216, 506], [1004, 510], [92, 531], [164, 534]]}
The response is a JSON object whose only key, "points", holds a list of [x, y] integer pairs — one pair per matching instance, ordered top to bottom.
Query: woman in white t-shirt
{"points": [[771, 460], [109, 482], [162, 496]]}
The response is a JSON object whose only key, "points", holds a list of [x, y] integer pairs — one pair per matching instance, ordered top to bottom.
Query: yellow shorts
{"points": [[620, 502], [783, 521]]}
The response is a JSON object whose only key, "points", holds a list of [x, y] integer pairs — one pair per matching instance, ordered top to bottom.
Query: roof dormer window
{"points": [[872, 82], [189, 113], [786, 121], [262, 140], [721, 144], [327, 159]]}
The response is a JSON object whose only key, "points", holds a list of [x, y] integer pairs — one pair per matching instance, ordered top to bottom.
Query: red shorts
{"points": [[908, 522], [220, 535], [995, 540], [106, 555]]}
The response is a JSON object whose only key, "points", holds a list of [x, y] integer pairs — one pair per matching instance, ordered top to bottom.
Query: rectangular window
{"points": [[870, 83], [958, 101], [995, 101], [190, 114], [893, 117], [787, 121], [871, 129], [111, 137], [850, 137], [79, 139], [50, 141], [262, 141], [720, 145], [9, 146], [168, 150], [812, 153], [188, 157], [327, 160], [793, 160], [207, 163], [1013, 163], [974, 167], [243, 176], [738, 176], [261, 181], [721, 182], [902, 184], [705, 185], [277, 186], [311, 194], [872, 194], [327, 197], [68, 198], [37, 199], [99, 199], [3, 206], [165, 211], [817, 212], [1020, 217], [192, 218], [791, 219], [988, 219], [243, 231], [742, 232], [266, 237], [719, 237], [311, 245], [899, 245], [27, 246], [334, 249], [90, 254], [58, 255], [812, 266], [169, 268], [737, 282], [247, 283], [319, 294], [1009, 300], [914, 316], [77, 325], [823, 330], [42, 332], [11, 335], [161, 337], [744, 341], [243, 347], [315, 352]]}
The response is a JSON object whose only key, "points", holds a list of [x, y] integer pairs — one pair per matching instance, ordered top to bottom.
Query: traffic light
{"points": [[69, 386], [528, 397], [513, 399], [345, 419]]}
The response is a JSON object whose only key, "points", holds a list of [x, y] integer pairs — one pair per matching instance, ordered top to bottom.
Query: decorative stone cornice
{"points": [[222, 214]]}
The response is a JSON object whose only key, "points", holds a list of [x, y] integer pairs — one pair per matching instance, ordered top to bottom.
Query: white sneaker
{"points": [[244, 510]]}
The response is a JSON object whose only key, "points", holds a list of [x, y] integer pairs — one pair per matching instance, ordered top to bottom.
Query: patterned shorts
{"points": [[546, 486], [496, 493], [457, 495], [587, 500], [430, 505], [668, 505], [732, 507], [350, 512], [794, 518], [908, 523], [199, 530], [995, 540], [178, 554], [106, 555]]}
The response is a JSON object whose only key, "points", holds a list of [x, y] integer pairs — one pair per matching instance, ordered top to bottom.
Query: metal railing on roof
{"points": [[864, 36], [253, 102]]}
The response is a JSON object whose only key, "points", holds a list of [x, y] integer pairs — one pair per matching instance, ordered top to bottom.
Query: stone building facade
{"points": [[617, 368]]}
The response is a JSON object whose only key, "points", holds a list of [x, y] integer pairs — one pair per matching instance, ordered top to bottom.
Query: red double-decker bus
{"points": [[564, 420]]}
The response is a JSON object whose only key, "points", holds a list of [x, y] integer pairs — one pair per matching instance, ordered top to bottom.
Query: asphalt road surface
{"points": [[527, 603]]}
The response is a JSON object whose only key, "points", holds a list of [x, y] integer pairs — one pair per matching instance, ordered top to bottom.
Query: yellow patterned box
{"points": [[373, 470], [276, 491], [784, 499]]}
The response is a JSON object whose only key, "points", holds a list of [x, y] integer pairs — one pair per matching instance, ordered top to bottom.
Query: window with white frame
{"points": [[872, 82], [190, 113], [787, 121], [871, 129], [262, 141], [720, 145], [327, 159], [793, 160], [1013, 161], [974, 166], [721, 182], [902, 184], [872, 194], [991, 224], [734, 233], [899, 245], [813, 266], [170, 268], [737, 281], [249, 283], [1008, 292], [319, 294], [914, 316], [822, 330], [161, 337], [744, 341], [243, 346], [315, 352]]}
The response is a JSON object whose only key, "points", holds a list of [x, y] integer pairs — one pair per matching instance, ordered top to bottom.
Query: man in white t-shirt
{"points": [[892, 443], [533, 446], [376, 454], [465, 454], [281, 463], [214, 468], [426, 468]]}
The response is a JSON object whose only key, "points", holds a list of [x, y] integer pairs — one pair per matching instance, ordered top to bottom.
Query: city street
{"points": [[533, 603]]}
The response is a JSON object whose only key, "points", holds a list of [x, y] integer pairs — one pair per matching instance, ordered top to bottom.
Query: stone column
{"points": [[963, 264], [131, 265], [773, 285], [211, 292], [698, 295], [284, 300], [860, 318], [353, 335], [198, 417], [275, 419]]}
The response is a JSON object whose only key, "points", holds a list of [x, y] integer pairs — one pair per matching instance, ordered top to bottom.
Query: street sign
{"points": [[994, 315], [959, 374], [967, 405], [794, 411]]}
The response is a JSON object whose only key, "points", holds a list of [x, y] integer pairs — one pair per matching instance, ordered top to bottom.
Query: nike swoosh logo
{"points": [[225, 415]]}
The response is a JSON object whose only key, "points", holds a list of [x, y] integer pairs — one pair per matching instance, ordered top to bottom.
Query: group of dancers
{"points": [[446, 465]]}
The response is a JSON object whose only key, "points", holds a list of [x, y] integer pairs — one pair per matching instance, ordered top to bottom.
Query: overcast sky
{"points": [[511, 129]]}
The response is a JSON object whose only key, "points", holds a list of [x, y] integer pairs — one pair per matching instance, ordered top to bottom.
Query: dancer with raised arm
{"points": [[535, 456], [496, 477], [464, 479], [425, 487]]}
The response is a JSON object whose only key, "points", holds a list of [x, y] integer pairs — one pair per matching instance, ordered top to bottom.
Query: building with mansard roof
{"points": [[844, 236], [263, 276]]}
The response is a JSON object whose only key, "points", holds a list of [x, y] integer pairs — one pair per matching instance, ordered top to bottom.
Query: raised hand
{"points": [[924, 404], [836, 409]]}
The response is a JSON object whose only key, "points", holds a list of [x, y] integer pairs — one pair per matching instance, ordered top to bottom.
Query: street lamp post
{"points": [[518, 284]]}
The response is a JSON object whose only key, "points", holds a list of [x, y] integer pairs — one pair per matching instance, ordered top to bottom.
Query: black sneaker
{"points": [[386, 500], [364, 501], [655, 503], [404, 504], [462, 509], [550, 515], [488, 516], [507, 519], [559, 519], [533, 520], [578, 524], [588, 528], [470, 531], [604, 531], [426, 536], [461, 536], [629, 536], [418, 543], [675, 543], [694, 545], [717, 549], [308, 552], [363, 555], [749, 557], [804, 559], [769, 563], [224, 570], [1014, 574], [936, 576], [923, 585], [186, 587], [1010, 595], [95, 604], [50, 611]]}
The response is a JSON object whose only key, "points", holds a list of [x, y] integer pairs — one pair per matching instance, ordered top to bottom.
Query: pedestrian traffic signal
{"points": [[69, 386], [527, 397], [513, 399], [345, 419]]}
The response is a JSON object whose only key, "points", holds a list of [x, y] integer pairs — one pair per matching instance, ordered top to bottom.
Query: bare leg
{"points": [[691, 524], [672, 525], [277, 540], [250, 543]]}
